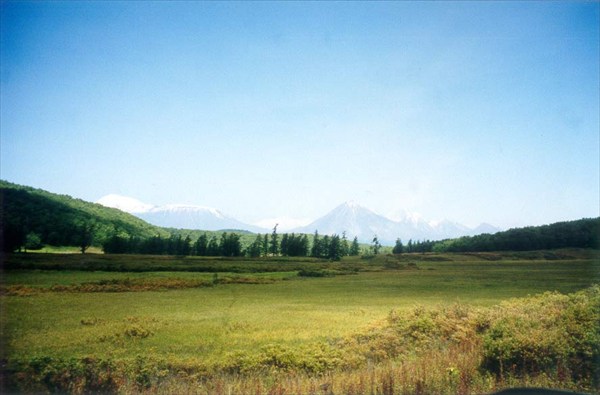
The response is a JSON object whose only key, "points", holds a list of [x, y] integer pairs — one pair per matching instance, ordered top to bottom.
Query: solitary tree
{"points": [[85, 236], [33, 241], [274, 245], [375, 246]]}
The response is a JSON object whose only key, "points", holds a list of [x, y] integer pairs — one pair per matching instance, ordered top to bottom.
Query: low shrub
{"points": [[315, 273], [137, 332], [546, 333], [311, 359], [77, 376]]}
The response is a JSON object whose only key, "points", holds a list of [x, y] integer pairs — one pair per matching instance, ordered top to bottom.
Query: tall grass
{"points": [[405, 324], [550, 339]]}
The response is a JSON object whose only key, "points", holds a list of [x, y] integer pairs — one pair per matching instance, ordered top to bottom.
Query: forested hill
{"points": [[61, 220], [583, 233]]}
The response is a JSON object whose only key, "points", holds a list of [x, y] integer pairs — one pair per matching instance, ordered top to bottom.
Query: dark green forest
{"points": [[31, 218], [583, 233], [229, 245]]}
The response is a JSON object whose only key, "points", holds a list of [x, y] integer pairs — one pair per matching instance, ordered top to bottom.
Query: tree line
{"points": [[31, 218], [583, 233], [229, 245]]}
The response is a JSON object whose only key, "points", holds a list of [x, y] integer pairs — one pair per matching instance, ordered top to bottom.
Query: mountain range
{"points": [[181, 216], [351, 218], [363, 223]]}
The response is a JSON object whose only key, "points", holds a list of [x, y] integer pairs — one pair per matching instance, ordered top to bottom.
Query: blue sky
{"points": [[471, 111]]}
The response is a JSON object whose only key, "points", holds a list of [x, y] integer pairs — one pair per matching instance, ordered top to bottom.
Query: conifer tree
{"points": [[200, 245], [265, 245], [345, 246], [284, 247], [213, 248], [274, 248], [335, 248], [355, 248], [398, 248], [255, 249], [314, 251]]}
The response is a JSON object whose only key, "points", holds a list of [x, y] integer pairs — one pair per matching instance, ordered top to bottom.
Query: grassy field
{"points": [[226, 321]]}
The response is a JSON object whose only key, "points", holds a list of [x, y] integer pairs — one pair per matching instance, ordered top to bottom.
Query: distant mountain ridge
{"points": [[181, 216], [349, 217], [61, 220], [363, 223]]}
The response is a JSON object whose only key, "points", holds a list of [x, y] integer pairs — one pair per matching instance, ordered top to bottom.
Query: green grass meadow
{"points": [[192, 330]]}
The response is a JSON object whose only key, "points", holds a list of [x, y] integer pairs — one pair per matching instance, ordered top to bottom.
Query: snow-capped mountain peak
{"points": [[124, 203], [351, 204], [184, 216], [349, 217], [352, 218], [363, 223]]}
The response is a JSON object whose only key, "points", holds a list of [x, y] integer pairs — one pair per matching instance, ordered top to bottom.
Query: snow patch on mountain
{"points": [[124, 203], [182, 216]]}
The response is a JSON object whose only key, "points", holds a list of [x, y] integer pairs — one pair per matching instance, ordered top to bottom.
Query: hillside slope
{"points": [[59, 219], [582, 233]]}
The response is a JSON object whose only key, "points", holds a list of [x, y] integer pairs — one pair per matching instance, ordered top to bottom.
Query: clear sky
{"points": [[470, 111]]}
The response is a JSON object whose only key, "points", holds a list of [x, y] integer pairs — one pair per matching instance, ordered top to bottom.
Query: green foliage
{"points": [[61, 220], [583, 233], [33, 242], [294, 245], [274, 246], [398, 247], [354, 248], [255, 249], [315, 273], [545, 333], [313, 359], [72, 375]]}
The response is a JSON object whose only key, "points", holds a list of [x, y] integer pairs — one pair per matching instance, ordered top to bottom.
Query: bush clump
{"points": [[315, 273], [546, 333], [549, 334], [73, 375]]}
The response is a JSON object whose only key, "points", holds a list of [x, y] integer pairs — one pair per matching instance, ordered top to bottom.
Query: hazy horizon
{"points": [[471, 112]]}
